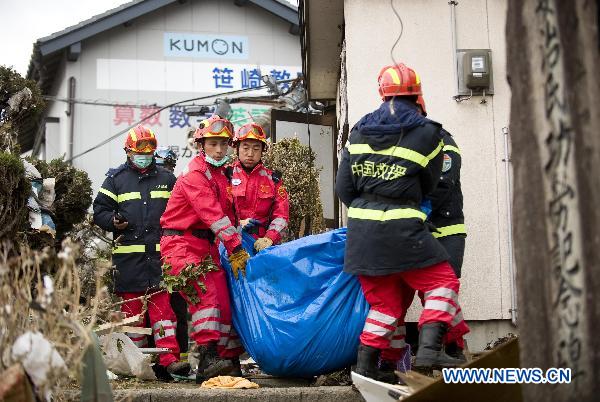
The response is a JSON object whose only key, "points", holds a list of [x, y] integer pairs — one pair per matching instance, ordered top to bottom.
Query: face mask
{"points": [[142, 161], [216, 163]]}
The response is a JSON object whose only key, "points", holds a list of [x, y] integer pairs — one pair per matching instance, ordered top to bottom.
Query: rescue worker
{"points": [[167, 158], [391, 161], [261, 201], [129, 204], [199, 211], [448, 218]]}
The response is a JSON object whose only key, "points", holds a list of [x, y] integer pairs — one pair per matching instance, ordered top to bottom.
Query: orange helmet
{"points": [[398, 80], [421, 103], [214, 127], [250, 131], [140, 139]]}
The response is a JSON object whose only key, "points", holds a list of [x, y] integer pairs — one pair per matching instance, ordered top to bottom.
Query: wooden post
{"points": [[553, 65]]}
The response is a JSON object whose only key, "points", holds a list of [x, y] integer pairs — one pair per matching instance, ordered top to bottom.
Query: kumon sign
{"points": [[198, 45]]}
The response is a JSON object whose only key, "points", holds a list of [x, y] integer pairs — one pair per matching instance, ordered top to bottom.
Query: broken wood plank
{"points": [[113, 326], [135, 330], [506, 355], [415, 380], [15, 385]]}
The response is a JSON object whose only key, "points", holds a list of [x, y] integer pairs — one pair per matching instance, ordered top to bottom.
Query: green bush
{"points": [[296, 162], [73, 190], [13, 196]]}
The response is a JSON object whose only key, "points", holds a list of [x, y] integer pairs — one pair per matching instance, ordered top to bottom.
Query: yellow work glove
{"points": [[262, 243], [238, 262]]}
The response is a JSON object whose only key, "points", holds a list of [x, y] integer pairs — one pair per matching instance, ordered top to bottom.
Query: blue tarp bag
{"points": [[297, 313]]}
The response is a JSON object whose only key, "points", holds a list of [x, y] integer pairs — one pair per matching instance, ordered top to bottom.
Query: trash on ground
{"points": [[122, 357], [228, 382]]}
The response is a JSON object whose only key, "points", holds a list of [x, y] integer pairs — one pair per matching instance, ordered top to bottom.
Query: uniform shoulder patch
{"points": [[447, 163], [276, 176], [281, 192]]}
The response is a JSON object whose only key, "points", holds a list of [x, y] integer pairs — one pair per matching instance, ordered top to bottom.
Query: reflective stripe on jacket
{"points": [[140, 198], [447, 198], [386, 237]]}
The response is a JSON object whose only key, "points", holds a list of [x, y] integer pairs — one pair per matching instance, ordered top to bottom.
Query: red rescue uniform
{"points": [[260, 195], [200, 208]]}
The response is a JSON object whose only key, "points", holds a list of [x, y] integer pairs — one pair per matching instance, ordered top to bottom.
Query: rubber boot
{"points": [[453, 350], [431, 353], [210, 364], [367, 365], [179, 368], [387, 368], [236, 371]]}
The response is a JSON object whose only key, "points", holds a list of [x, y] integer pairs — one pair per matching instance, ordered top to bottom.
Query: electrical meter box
{"points": [[476, 69], [475, 72]]}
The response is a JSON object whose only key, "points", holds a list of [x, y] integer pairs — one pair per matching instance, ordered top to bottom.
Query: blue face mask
{"points": [[142, 161], [216, 163]]}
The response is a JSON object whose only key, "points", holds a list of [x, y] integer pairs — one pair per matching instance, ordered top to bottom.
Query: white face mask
{"points": [[216, 163]]}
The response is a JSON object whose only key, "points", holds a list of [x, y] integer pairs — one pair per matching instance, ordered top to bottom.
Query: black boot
{"points": [[453, 350], [430, 353], [367, 362], [210, 364], [387, 369], [236, 371]]}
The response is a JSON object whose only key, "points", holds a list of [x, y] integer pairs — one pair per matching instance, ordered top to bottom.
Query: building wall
{"points": [[426, 46], [129, 64], [56, 139]]}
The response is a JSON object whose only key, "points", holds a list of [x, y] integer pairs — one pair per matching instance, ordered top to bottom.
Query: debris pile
{"points": [[41, 316]]}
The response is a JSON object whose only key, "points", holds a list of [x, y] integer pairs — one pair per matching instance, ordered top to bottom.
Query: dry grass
{"points": [[62, 318]]}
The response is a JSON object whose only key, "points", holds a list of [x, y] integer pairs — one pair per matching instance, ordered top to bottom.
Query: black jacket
{"points": [[392, 160], [140, 199], [447, 199]]}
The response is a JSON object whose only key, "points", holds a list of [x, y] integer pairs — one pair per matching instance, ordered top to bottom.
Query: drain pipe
{"points": [[453, 5], [71, 113], [511, 270]]}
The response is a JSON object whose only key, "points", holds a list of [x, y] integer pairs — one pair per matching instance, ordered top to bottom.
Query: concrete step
{"points": [[193, 394]]}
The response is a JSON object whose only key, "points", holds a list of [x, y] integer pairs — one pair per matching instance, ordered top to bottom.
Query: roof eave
{"points": [[97, 25]]}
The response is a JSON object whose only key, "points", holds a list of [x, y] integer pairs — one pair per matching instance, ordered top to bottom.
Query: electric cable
{"points": [[394, 46]]}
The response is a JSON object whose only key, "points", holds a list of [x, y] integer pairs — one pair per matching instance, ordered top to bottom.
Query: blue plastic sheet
{"points": [[297, 313]]}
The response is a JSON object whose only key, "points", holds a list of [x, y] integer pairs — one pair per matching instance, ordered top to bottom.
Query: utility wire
{"points": [[399, 35], [97, 102], [392, 111], [109, 139]]}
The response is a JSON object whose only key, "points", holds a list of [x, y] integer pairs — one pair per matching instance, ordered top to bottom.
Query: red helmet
{"points": [[398, 80], [421, 103], [214, 127], [250, 131], [140, 139]]}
